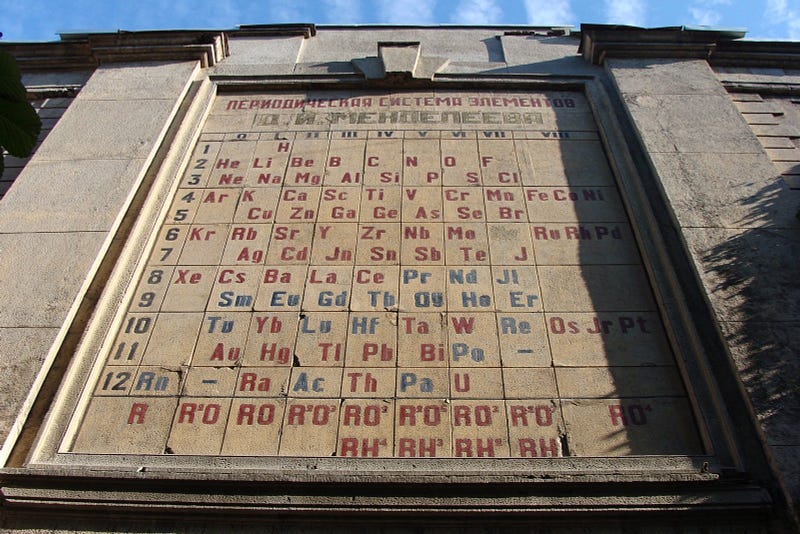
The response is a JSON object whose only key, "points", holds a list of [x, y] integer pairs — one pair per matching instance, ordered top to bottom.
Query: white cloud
{"points": [[779, 10], [342, 11], [406, 11], [477, 12], [549, 12], [628, 12], [707, 12]]}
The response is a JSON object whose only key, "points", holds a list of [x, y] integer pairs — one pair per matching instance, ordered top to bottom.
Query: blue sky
{"points": [[41, 20]]}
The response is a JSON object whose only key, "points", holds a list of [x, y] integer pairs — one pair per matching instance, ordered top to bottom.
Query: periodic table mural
{"points": [[391, 275]]}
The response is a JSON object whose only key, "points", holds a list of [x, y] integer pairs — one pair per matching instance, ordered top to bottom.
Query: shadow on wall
{"points": [[494, 50], [754, 273], [621, 391]]}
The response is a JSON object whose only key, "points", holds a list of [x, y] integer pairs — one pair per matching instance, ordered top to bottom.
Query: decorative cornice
{"points": [[276, 30], [601, 41], [88, 50], [759, 54]]}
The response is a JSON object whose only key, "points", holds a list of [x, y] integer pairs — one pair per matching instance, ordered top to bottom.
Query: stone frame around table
{"points": [[642, 483]]}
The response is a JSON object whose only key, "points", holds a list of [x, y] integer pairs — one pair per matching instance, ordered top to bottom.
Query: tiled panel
{"points": [[404, 275]]}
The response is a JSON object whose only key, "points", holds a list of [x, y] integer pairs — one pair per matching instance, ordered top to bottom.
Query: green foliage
{"points": [[19, 123]]}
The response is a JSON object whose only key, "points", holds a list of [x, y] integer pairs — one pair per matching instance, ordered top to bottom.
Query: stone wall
{"points": [[64, 209], [710, 212], [736, 214]]}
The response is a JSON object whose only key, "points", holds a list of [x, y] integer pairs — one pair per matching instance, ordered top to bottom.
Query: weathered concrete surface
{"points": [[332, 44], [336, 50], [546, 55], [254, 56], [665, 77], [136, 81], [673, 122], [121, 130], [746, 193], [44, 197], [58, 216], [736, 216], [750, 273], [40, 274], [24, 349], [766, 354], [788, 460], [740, 524]]}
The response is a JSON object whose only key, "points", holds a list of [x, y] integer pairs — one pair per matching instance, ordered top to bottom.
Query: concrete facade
{"points": [[681, 412]]}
